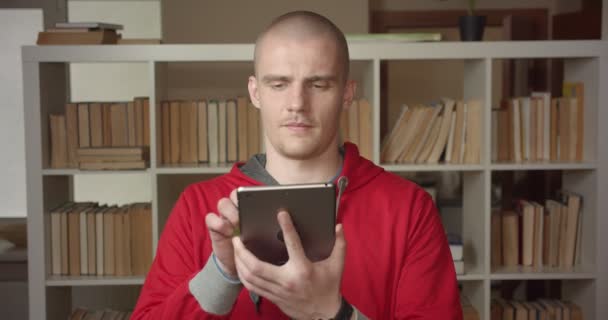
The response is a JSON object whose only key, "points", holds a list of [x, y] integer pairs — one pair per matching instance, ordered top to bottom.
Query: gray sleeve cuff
{"points": [[212, 291], [359, 315]]}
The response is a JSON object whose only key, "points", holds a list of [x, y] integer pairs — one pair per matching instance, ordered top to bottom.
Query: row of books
{"points": [[80, 33], [97, 124], [540, 128], [229, 130], [448, 131], [116, 158], [536, 235], [101, 240], [547, 309], [468, 310], [107, 314]]}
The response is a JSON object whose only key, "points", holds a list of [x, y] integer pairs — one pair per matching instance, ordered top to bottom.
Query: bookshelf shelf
{"points": [[46, 84], [543, 166], [432, 167], [200, 169], [71, 172], [545, 273], [65, 281]]}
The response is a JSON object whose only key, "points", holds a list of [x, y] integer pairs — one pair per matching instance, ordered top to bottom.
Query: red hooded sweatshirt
{"points": [[398, 262]]}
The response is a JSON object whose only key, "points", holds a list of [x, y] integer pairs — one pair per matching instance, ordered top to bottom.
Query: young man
{"points": [[397, 264]]}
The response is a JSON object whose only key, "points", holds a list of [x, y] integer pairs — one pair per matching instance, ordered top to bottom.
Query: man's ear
{"points": [[349, 94], [254, 95]]}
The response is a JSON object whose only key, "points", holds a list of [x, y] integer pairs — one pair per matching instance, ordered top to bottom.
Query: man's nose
{"points": [[298, 98]]}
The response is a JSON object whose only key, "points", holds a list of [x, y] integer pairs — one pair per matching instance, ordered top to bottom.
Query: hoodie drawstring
{"points": [[342, 183]]}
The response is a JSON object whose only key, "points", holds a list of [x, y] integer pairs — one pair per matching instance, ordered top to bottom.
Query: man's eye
{"points": [[278, 85], [320, 85]]}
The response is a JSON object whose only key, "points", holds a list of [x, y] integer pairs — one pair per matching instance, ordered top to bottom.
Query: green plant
{"points": [[471, 7]]}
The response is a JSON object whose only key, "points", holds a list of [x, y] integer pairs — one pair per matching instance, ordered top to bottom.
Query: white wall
{"points": [[17, 27], [114, 82]]}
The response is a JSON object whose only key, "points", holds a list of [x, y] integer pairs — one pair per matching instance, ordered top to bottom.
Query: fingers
{"points": [[227, 209], [217, 225], [291, 237], [339, 251], [261, 269]]}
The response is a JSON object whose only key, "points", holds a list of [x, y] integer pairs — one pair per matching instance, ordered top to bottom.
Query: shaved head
{"points": [[301, 26]]}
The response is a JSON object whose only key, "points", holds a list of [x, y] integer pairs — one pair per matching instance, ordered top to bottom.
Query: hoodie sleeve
{"points": [[427, 285], [166, 293]]}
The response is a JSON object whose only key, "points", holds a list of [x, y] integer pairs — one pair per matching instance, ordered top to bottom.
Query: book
{"points": [[102, 36], [243, 124], [203, 147], [455, 243]]}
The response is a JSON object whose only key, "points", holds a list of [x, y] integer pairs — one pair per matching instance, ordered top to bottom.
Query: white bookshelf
{"points": [[45, 83]]}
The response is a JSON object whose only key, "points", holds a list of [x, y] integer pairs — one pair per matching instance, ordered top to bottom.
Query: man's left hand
{"points": [[300, 288]]}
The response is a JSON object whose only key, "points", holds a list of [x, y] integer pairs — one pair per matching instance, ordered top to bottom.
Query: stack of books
{"points": [[80, 33], [98, 125], [540, 128], [447, 131], [124, 158], [537, 236], [88, 239], [456, 249], [541, 309]]}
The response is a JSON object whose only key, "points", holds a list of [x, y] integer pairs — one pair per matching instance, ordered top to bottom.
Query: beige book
{"points": [[577, 90], [545, 103], [138, 111], [106, 117], [146, 121], [353, 122], [131, 123], [96, 124], [253, 127], [242, 128], [365, 129], [540, 129], [564, 129], [573, 130], [213, 131], [222, 131], [231, 131], [84, 132], [166, 132], [188, 132], [473, 132], [553, 132], [72, 133], [459, 133], [120, 134], [423, 135], [430, 135], [504, 135], [517, 136], [529, 137], [406, 141], [176, 143], [391, 146], [439, 146], [203, 148], [59, 152], [139, 152], [409, 155], [554, 209], [539, 219], [146, 229], [563, 229], [527, 234], [510, 238], [496, 239], [99, 240], [56, 241], [74, 241], [91, 242], [119, 242], [84, 246], [109, 251], [126, 251], [65, 253], [521, 312]]}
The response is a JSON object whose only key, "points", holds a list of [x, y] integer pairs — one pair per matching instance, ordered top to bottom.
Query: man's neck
{"points": [[290, 171]]}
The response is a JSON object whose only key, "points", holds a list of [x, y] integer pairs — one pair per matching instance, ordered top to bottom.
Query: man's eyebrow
{"points": [[271, 77], [322, 78]]}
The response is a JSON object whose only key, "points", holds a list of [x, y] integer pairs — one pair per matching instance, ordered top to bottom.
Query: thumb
{"points": [[339, 251]]}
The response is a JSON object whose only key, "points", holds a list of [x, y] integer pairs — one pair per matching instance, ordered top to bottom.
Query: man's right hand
{"points": [[221, 229]]}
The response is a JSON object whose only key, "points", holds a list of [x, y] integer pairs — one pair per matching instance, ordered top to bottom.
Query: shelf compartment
{"points": [[543, 166], [532, 273]]}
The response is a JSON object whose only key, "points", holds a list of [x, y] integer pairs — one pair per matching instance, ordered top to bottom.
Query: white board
{"points": [[18, 27]]}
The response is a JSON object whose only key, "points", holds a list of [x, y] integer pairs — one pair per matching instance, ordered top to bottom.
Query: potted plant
{"points": [[472, 25]]}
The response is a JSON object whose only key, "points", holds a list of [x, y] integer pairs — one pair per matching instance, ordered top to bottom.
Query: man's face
{"points": [[300, 90]]}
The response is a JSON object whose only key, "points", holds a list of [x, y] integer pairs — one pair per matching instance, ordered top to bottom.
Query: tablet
{"points": [[311, 207]]}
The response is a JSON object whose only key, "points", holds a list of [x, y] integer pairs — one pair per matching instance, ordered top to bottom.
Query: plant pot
{"points": [[471, 27]]}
